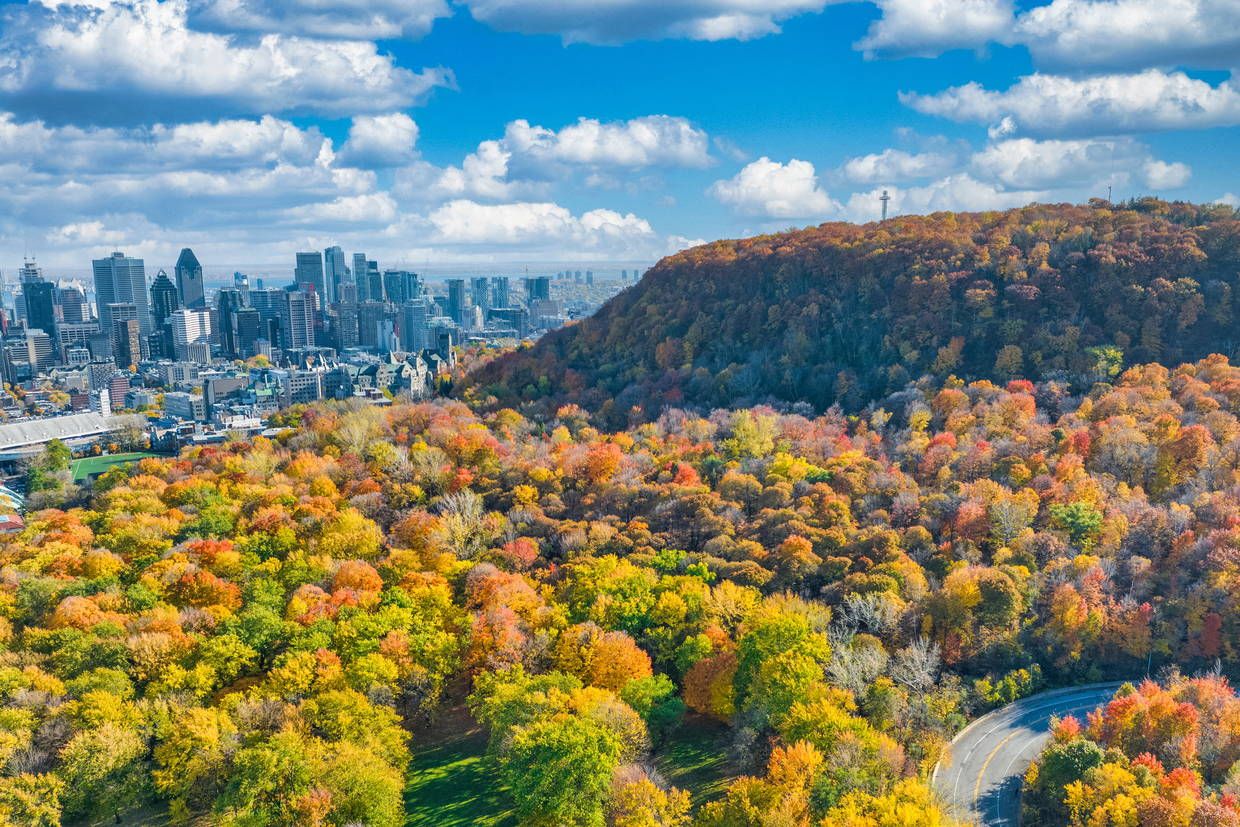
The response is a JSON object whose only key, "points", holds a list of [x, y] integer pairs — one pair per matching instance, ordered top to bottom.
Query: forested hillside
{"points": [[846, 313], [262, 631], [1154, 755]]}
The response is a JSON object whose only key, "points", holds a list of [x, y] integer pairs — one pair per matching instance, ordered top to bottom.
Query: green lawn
{"points": [[83, 469], [695, 758], [451, 785]]}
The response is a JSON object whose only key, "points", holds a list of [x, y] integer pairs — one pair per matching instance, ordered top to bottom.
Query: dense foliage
{"points": [[848, 314], [255, 629], [1155, 755]]}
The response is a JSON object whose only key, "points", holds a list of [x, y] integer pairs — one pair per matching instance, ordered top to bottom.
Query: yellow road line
{"points": [[977, 788]]}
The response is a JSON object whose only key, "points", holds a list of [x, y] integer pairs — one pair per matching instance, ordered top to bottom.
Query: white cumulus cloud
{"points": [[348, 19], [620, 21], [930, 27], [1130, 34], [139, 60], [1105, 104], [653, 140], [381, 141], [894, 165], [1160, 175], [770, 189], [543, 226]]}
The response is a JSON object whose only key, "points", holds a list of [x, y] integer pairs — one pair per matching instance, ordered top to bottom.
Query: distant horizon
{"points": [[220, 275]]}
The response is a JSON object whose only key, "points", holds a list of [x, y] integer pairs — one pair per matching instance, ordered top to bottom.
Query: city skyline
{"points": [[476, 134]]}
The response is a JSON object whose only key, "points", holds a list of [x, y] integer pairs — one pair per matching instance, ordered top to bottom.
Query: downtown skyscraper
{"points": [[120, 279], [189, 281]]}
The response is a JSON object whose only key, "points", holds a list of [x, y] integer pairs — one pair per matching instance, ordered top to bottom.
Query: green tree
{"points": [[104, 771], [559, 771]]}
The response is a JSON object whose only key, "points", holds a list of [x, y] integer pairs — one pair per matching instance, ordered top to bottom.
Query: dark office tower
{"points": [[310, 271], [335, 273], [589, 277], [120, 279], [189, 281], [374, 282], [241, 283], [401, 286], [394, 287], [537, 289], [499, 292], [480, 293], [40, 299], [456, 301], [164, 302], [227, 302], [73, 307], [369, 317], [248, 328], [125, 333]]}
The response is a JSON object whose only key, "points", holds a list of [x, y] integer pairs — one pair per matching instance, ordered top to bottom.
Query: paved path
{"points": [[980, 775]]}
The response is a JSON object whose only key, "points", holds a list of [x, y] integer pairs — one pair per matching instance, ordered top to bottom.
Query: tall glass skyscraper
{"points": [[310, 271], [336, 273], [121, 279], [189, 281], [164, 302]]}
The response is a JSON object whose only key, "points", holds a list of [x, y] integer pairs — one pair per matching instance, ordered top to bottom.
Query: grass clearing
{"points": [[696, 758], [450, 782], [452, 785]]}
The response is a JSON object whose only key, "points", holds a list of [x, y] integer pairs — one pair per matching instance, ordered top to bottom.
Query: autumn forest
{"points": [[827, 495]]}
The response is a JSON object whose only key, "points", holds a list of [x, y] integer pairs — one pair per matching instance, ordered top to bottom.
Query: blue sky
{"points": [[492, 133]]}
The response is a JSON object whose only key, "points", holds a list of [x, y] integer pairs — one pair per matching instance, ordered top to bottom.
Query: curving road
{"points": [[980, 774]]}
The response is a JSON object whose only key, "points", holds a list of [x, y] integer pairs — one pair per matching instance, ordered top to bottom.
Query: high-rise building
{"points": [[310, 271], [335, 273], [359, 275], [121, 280], [189, 281], [374, 282], [241, 283], [401, 286], [537, 289], [480, 292], [499, 292], [40, 299], [164, 302], [227, 302], [268, 303], [73, 307], [455, 309], [370, 316], [296, 320], [412, 324], [248, 327], [346, 327], [191, 333], [125, 334], [75, 335], [39, 349], [118, 386]]}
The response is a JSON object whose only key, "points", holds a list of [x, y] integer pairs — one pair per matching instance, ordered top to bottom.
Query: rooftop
{"points": [[15, 436]]}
